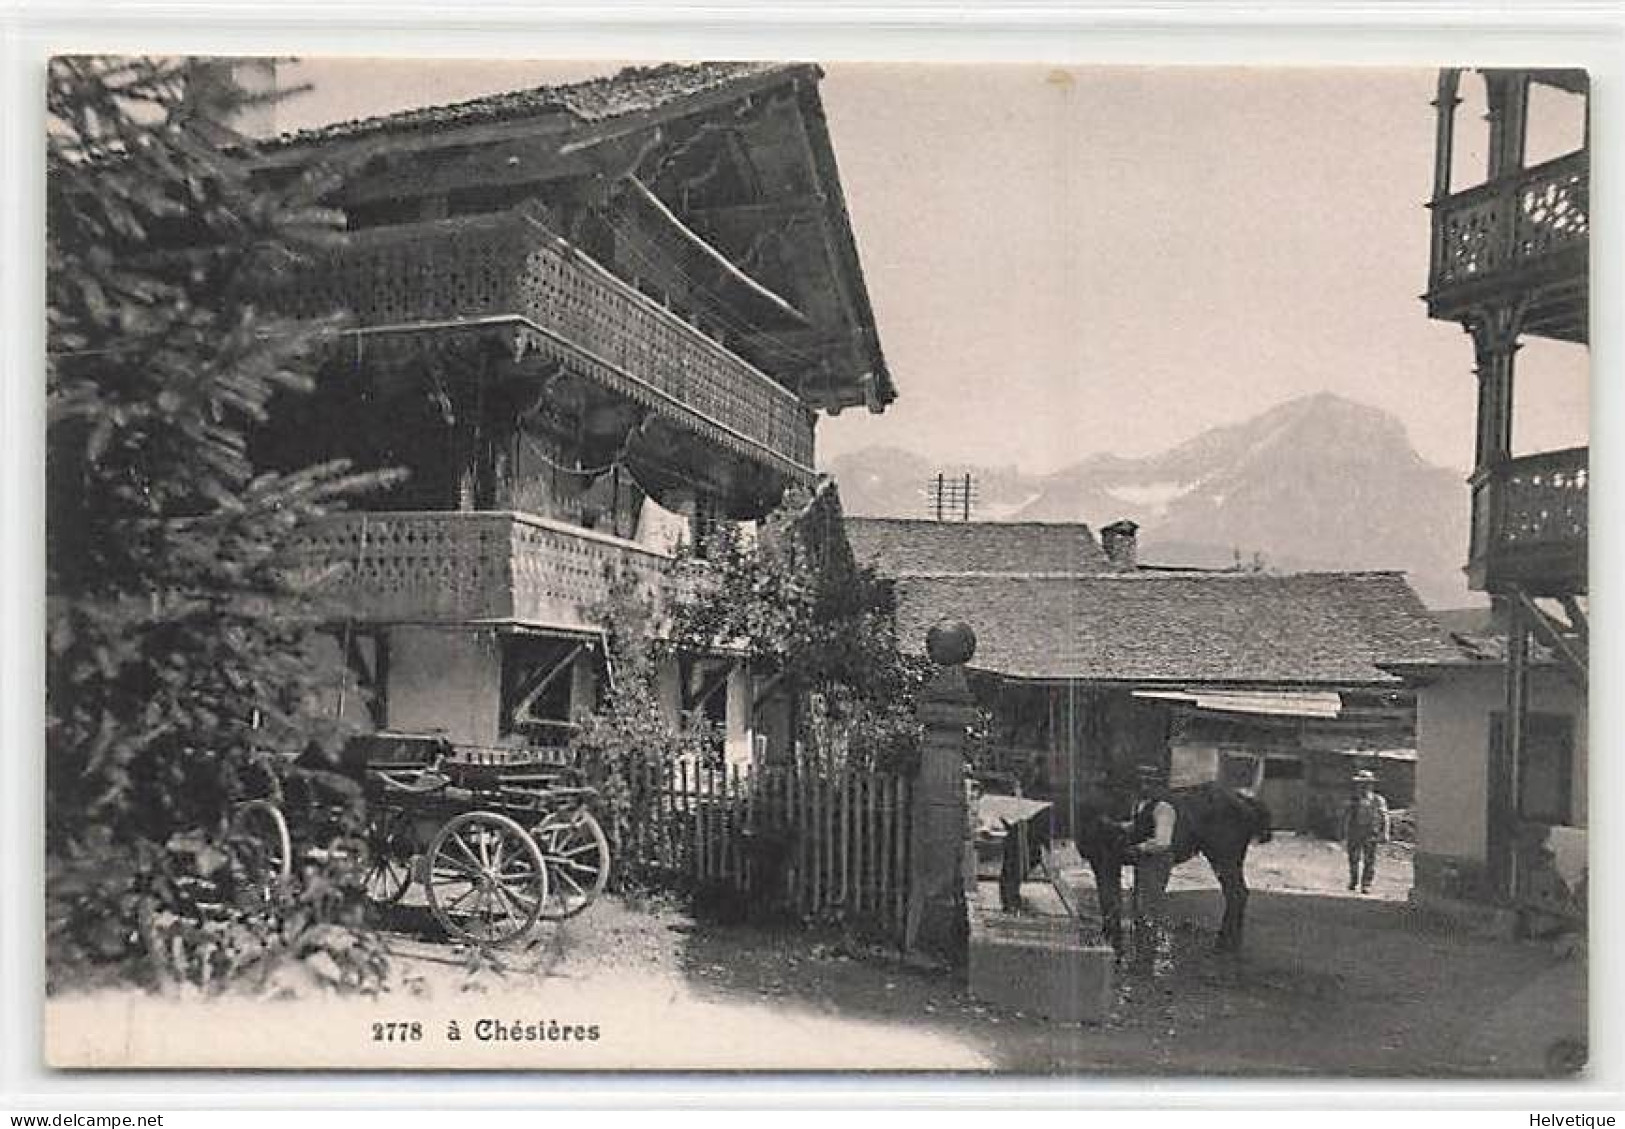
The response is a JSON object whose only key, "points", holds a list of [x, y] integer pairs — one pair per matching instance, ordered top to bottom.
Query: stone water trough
{"points": [[1038, 956]]}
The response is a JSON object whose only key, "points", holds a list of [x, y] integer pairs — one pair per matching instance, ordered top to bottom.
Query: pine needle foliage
{"points": [[182, 675]]}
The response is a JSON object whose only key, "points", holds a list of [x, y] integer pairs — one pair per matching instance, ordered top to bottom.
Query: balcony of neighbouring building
{"points": [[1522, 233], [508, 273], [1531, 523]]}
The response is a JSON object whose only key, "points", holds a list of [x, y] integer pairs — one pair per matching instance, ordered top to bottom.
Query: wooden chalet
{"points": [[1510, 262], [590, 320], [1090, 664]]}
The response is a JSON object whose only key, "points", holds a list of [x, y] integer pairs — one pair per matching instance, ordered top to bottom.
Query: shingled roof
{"points": [[630, 91], [898, 547], [1326, 628], [1478, 637]]}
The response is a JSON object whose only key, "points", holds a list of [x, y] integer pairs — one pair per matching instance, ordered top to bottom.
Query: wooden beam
{"points": [[1572, 80], [516, 162], [755, 211], [711, 254], [1577, 618], [1574, 660], [369, 677], [540, 680], [709, 686], [767, 690], [1517, 708]]}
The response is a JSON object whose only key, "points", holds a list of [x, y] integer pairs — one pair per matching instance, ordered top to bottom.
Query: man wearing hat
{"points": [[1155, 822], [1365, 824]]}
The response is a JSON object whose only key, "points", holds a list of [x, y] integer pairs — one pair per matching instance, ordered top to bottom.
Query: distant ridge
{"points": [[1320, 482]]}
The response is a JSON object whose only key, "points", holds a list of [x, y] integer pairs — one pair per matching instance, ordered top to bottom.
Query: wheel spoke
{"points": [[469, 854], [472, 890], [506, 901], [482, 905]]}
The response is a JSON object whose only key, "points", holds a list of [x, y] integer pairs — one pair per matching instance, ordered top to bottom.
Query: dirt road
{"points": [[1330, 984]]}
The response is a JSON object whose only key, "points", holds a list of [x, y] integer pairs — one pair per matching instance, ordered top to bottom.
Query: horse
{"points": [[1210, 820]]}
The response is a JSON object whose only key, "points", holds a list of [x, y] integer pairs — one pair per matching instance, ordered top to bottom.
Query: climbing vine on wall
{"points": [[791, 599]]}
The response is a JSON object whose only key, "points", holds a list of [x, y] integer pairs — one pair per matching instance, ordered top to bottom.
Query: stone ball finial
{"points": [[950, 643]]}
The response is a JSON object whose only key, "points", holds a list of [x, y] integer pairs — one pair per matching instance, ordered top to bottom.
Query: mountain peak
{"points": [[1318, 481]]}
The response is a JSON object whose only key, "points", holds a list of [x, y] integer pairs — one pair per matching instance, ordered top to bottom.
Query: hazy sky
{"points": [[1064, 262]]}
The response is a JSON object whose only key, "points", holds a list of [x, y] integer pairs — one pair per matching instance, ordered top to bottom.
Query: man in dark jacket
{"points": [[1365, 824]]}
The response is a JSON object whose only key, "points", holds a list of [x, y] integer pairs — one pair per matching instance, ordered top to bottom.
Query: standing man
{"points": [[1154, 822], [1365, 824]]}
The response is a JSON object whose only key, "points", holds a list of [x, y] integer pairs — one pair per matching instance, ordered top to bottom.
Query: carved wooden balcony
{"points": [[1523, 234], [508, 273], [1531, 524], [446, 567]]}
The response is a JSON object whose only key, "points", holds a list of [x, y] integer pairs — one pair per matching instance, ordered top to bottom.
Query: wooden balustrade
{"points": [[1511, 223], [508, 270], [1531, 522], [451, 567]]}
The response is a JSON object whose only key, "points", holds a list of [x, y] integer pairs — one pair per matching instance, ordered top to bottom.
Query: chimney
{"points": [[1120, 541]]}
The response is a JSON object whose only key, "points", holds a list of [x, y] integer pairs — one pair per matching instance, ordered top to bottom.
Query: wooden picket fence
{"points": [[804, 838]]}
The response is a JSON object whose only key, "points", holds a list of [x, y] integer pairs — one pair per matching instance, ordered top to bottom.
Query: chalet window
{"points": [[703, 524], [538, 687], [705, 697], [1546, 778]]}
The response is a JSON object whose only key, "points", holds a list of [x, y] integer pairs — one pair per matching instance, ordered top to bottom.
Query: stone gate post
{"points": [[938, 829]]}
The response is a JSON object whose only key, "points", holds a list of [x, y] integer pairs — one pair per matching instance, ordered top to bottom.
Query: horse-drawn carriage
{"points": [[496, 838]]}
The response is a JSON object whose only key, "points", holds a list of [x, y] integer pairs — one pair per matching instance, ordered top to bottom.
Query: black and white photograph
{"points": [[976, 568]]}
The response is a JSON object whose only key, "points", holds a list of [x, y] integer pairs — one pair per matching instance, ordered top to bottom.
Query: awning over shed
{"points": [[1277, 703], [1380, 754]]}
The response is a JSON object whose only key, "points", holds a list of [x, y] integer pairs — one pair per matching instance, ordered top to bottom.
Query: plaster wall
{"points": [[445, 680], [1452, 738]]}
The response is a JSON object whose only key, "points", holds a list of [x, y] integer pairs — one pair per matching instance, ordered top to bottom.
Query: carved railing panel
{"points": [[1554, 212], [1511, 222], [509, 269], [1543, 499], [1531, 518], [451, 567]]}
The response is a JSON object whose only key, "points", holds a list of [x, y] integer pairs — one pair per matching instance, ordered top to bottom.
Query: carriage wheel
{"points": [[264, 849], [577, 854], [389, 857], [486, 879]]}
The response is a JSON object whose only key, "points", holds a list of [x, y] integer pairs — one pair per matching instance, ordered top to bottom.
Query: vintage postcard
{"points": [[1022, 569]]}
